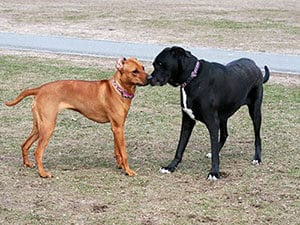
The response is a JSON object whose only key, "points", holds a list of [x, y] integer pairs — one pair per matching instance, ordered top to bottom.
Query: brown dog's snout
{"points": [[148, 79], [145, 81]]}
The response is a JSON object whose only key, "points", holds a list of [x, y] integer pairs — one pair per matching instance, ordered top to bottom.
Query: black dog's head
{"points": [[168, 67]]}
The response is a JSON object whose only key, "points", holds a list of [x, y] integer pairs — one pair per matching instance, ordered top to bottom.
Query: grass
{"points": [[219, 25], [89, 189]]}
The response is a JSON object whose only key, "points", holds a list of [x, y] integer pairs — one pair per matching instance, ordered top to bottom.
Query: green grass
{"points": [[75, 16], [223, 24], [87, 188]]}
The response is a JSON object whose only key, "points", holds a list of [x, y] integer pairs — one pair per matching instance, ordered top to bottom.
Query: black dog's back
{"points": [[246, 69], [245, 77], [228, 86]]}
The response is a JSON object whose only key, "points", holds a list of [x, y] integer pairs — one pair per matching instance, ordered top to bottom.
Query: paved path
{"points": [[57, 44]]}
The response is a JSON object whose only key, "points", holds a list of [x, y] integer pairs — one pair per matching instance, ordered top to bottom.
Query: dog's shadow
{"points": [[75, 161]]}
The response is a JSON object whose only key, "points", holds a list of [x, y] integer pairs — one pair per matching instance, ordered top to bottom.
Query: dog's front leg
{"points": [[213, 128], [186, 130], [120, 148]]}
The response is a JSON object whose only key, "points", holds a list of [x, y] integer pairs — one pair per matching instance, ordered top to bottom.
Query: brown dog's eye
{"points": [[135, 72]]}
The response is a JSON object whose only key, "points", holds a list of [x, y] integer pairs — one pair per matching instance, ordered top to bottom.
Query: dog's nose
{"points": [[149, 78], [147, 81]]}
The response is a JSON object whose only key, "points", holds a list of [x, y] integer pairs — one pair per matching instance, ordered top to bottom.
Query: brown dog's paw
{"points": [[29, 164], [120, 165], [130, 173], [46, 175]]}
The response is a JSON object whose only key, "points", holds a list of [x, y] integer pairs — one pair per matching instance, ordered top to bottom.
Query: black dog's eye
{"points": [[157, 64]]}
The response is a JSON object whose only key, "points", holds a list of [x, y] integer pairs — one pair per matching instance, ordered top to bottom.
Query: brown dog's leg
{"points": [[45, 120], [45, 133], [34, 135], [26, 146], [120, 148], [118, 158]]}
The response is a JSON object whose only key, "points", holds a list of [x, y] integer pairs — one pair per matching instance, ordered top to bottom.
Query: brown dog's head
{"points": [[132, 72]]}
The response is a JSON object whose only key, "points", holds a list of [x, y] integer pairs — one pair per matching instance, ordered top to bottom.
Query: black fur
{"points": [[214, 95]]}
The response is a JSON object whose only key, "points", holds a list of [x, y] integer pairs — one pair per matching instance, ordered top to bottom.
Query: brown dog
{"points": [[101, 101]]}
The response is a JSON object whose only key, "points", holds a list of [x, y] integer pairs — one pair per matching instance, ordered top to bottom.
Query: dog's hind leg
{"points": [[255, 113], [45, 121], [46, 130], [223, 133], [34, 135], [29, 141]]}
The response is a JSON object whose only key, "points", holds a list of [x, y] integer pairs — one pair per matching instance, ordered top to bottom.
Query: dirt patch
{"points": [[255, 25], [289, 80]]}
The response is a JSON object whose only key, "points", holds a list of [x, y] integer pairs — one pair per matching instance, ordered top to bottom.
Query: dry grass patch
{"points": [[254, 25], [89, 189]]}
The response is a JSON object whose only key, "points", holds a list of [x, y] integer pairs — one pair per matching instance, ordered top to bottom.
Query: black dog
{"points": [[211, 93]]}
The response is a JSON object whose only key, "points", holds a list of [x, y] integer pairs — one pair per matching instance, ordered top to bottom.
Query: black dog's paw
{"points": [[256, 162], [167, 169], [213, 176]]}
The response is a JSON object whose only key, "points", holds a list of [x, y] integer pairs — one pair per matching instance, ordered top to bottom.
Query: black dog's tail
{"points": [[267, 74]]}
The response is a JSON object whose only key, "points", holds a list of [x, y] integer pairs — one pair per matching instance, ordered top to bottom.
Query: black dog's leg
{"points": [[255, 114], [213, 128], [186, 130], [223, 133]]}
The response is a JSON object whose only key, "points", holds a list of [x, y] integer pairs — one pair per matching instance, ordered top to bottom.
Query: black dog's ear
{"points": [[178, 51], [188, 53]]}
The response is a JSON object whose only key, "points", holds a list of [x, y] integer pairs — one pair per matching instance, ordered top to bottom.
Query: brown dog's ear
{"points": [[120, 63]]}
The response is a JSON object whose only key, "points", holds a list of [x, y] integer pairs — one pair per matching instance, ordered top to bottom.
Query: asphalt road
{"points": [[283, 63]]}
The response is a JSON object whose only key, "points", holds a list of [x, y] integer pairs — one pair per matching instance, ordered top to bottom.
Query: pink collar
{"points": [[193, 75], [122, 91]]}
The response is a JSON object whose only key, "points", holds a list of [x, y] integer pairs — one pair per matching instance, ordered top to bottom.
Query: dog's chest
{"points": [[186, 105]]}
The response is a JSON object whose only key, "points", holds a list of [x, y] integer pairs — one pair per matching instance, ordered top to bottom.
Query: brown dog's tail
{"points": [[267, 74], [22, 95]]}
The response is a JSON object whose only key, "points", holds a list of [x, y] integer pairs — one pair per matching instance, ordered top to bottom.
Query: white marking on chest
{"points": [[185, 107]]}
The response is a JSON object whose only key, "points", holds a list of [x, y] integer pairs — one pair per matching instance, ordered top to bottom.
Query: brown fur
{"points": [[99, 101]]}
